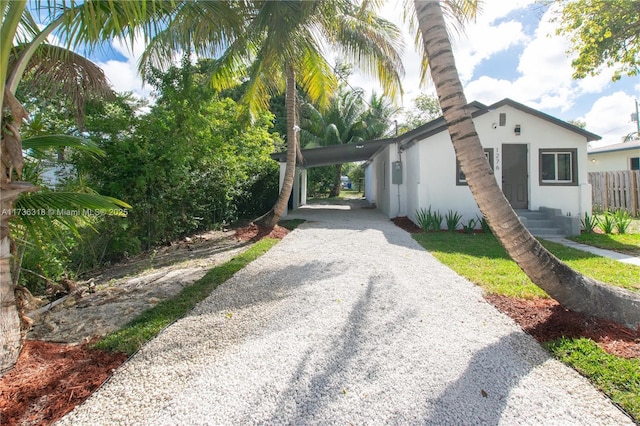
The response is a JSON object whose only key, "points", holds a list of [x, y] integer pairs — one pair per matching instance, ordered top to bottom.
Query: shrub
{"points": [[424, 218], [452, 220], [622, 220], [607, 222], [589, 223], [436, 224], [484, 225], [470, 226]]}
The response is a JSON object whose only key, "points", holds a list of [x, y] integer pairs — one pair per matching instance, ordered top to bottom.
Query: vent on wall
{"points": [[503, 118]]}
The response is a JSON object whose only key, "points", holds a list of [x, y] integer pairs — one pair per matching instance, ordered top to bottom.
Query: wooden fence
{"points": [[616, 190]]}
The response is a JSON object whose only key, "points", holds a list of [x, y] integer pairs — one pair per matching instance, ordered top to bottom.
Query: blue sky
{"points": [[511, 50]]}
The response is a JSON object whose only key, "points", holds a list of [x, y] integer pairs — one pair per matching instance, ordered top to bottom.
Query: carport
{"points": [[326, 156]]}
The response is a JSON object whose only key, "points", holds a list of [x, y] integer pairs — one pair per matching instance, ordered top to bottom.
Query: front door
{"points": [[515, 175]]}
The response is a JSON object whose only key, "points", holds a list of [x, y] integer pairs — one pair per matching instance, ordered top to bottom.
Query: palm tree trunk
{"points": [[337, 182], [269, 220], [562, 283], [11, 336]]}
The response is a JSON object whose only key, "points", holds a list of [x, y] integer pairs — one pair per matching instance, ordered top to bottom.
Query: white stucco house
{"points": [[616, 157], [540, 162]]}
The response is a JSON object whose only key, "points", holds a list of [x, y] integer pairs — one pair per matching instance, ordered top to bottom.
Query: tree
{"points": [[602, 32], [21, 38], [281, 47], [425, 108], [347, 120], [565, 285]]}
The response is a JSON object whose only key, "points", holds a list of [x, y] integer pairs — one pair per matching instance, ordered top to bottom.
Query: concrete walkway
{"points": [[624, 258], [346, 321]]}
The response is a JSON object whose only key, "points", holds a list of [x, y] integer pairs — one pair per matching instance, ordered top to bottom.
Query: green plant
{"points": [[424, 218], [452, 219], [622, 220], [607, 222], [436, 223], [589, 223], [484, 225], [469, 226]]}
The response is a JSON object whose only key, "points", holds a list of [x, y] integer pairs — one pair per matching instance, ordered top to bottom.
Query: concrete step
{"points": [[539, 225], [547, 232]]}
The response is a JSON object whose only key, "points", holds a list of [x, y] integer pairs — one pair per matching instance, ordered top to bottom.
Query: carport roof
{"points": [[347, 153], [337, 154]]}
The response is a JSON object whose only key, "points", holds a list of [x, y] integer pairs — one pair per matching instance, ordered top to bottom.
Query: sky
{"points": [[511, 50]]}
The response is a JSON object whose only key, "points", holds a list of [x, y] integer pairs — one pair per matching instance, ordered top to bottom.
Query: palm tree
{"points": [[282, 48], [23, 49], [347, 120], [568, 287]]}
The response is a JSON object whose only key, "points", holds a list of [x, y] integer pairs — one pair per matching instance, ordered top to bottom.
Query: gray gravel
{"points": [[346, 321]]}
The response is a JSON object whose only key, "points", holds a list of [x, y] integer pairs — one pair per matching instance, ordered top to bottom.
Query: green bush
{"points": [[452, 219], [622, 221], [607, 222], [589, 223]]}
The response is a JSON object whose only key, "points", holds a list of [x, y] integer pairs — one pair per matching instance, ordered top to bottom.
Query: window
{"points": [[634, 163], [558, 167], [461, 179]]}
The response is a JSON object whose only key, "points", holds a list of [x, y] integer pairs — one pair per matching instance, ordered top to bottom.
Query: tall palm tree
{"points": [[284, 46], [23, 49], [347, 120], [562, 283]]}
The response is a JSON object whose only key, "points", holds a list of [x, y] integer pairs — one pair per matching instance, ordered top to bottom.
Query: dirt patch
{"points": [[254, 233], [110, 298]]}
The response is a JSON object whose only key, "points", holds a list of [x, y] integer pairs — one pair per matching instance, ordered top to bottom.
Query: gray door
{"points": [[515, 175]]}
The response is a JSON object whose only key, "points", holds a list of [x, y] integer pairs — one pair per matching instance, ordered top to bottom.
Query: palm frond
{"points": [[204, 28], [56, 71], [38, 145]]}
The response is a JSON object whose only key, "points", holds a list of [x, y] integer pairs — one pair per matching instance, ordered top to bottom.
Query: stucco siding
{"points": [[611, 161], [430, 176]]}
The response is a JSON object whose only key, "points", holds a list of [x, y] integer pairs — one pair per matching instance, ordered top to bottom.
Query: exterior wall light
{"points": [[516, 130]]}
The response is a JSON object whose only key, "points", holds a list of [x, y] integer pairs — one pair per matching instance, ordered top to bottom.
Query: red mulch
{"points": [[406, 224], [255, 233], [546, 320], [50, 379]]}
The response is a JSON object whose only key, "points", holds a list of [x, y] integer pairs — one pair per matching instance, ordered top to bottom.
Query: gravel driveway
{"points": [[346, 321]]}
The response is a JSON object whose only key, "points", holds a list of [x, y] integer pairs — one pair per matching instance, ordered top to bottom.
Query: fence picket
{"points": [[616, 190]]}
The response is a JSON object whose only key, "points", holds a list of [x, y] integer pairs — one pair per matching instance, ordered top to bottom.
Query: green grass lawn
{"points": [[622, 243], [482, 260]]}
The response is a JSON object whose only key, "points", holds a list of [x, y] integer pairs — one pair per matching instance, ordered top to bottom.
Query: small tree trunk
{"points": [[337, 182], [269, 220]]}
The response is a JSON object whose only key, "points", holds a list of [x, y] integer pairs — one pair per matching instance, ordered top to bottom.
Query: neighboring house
{"points": [[613, 158], [539, 161]]}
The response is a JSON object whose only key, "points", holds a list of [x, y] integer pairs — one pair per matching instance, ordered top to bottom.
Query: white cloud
{"points": [[483, 41], [545, 70], [123, 75], [610, 117]]}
